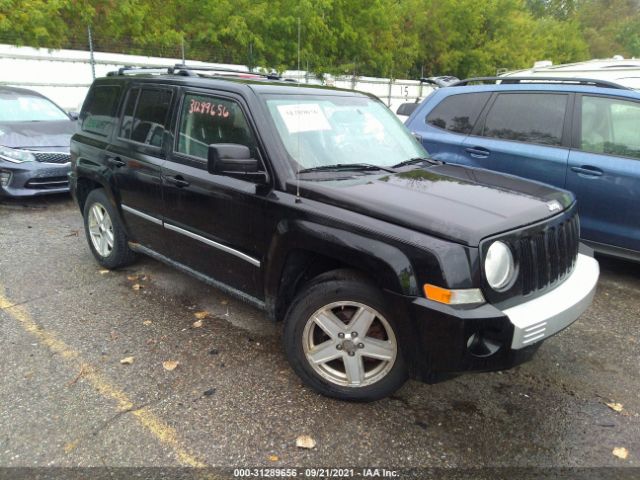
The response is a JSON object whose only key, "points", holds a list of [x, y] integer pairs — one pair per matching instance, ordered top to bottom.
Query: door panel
{"points": [[524, 134], [136, 157], [535, 162], [604, 170], [607, 201], [214, 223], [217, 227]]}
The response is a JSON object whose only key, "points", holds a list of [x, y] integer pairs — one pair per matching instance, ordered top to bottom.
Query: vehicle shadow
{"points": [[58, 200], [618, 267]]}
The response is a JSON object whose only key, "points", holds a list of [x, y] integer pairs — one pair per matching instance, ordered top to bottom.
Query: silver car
{"points": [[35, 134]]}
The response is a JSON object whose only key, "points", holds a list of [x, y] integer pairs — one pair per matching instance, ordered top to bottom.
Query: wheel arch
{"points": [[302, 250]]}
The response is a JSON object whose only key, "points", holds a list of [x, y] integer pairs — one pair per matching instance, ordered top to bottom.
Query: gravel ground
{"points": [[67, 401]]}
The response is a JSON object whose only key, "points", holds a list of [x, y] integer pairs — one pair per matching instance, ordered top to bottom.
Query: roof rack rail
{"points": [[180, 67], [130, 70], [189, 71], [441, 81], [592, 82]]}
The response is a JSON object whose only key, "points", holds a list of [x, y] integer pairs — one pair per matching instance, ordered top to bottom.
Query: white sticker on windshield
{"points": [[304, 117]]}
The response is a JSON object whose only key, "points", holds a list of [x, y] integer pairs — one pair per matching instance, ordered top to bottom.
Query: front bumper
{"points": [[34, 178], [547, 315], [443, 339]]}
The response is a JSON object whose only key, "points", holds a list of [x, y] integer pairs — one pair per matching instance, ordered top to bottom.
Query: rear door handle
{"points": [[478, 152], [115, 162], [588, 170], [178, 181]]}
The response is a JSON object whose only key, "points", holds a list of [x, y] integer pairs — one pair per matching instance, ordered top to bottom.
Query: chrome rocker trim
{"points": [[232, 251]]}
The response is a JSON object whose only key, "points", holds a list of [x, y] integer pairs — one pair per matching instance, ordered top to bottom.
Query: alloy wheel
{"points": [[349, 344]]}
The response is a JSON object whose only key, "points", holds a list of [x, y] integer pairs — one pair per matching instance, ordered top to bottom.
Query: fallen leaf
{"points": [[72, 233], [103, 271], [132, 277], [144, 278], [137, 286], [224, 302], [201, 315], [147, 322], [197, 324], [114, 336], [214, 351], [127, 360], [170, 365], [208, 393], [616, 407], [305, 441], [70, 447], [621, 452], [273, 458]]}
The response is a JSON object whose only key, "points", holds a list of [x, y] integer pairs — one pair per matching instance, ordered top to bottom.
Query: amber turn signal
{"points": [[453, 297]]}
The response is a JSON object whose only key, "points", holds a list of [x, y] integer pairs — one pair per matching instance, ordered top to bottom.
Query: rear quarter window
{"points": [[99, 110], [458, 113]]}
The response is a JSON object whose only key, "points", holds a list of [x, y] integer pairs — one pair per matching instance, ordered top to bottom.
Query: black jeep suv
{"points": [[318, 206]]}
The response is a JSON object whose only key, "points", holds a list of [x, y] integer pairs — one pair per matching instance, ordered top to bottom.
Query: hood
{"points": [[35, 135], [457, 203]]}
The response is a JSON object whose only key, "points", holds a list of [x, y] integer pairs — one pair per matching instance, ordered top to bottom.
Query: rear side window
{"points": [[100, 107], [458, 113], [145, 115], [527, 117], [207, 120], [610, 126]]}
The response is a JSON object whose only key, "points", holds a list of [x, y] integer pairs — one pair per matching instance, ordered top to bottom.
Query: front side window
{"points": [[18, 107], [98, 113], [458, 113], [145, 116], [527, 117], [207, 120], [610, 126], [323, 130]]}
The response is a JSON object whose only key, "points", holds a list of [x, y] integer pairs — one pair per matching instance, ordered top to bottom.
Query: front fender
{"points": [[385, 264]]}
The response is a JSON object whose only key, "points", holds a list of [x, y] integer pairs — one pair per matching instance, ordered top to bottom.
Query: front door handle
{"points": [[478, 152], [115, 162], [587, 170], [178, 181]]}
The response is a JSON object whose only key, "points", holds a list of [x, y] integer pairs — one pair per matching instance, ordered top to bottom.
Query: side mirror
{"points": [[73, 115], [231, 158]]}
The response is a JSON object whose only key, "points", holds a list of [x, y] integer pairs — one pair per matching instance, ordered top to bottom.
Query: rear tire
{"points": [[105, 234], [341, 339]]}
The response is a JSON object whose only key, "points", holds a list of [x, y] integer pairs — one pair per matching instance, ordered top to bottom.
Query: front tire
{"points": [[105, 233], [341, 339]]}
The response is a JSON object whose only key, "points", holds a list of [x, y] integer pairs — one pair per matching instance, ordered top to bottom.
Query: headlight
{"points": [[16, 156], [498, 266]]}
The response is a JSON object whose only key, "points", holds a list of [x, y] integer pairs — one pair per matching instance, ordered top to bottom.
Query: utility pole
{"points": [[298, 45], [92, 60]]}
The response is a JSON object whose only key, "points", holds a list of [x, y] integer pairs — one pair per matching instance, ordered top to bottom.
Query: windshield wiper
{"points": [[413, 161], [355, 167]]}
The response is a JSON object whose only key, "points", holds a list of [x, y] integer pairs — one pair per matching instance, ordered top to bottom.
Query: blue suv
{"points": [[580, 135]]}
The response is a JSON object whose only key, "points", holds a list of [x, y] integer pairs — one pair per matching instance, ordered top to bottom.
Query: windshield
{"points": [[16, 107], [329, 130]]}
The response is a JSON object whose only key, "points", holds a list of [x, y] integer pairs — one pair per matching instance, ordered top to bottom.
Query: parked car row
{"points": [[318, 206]]}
